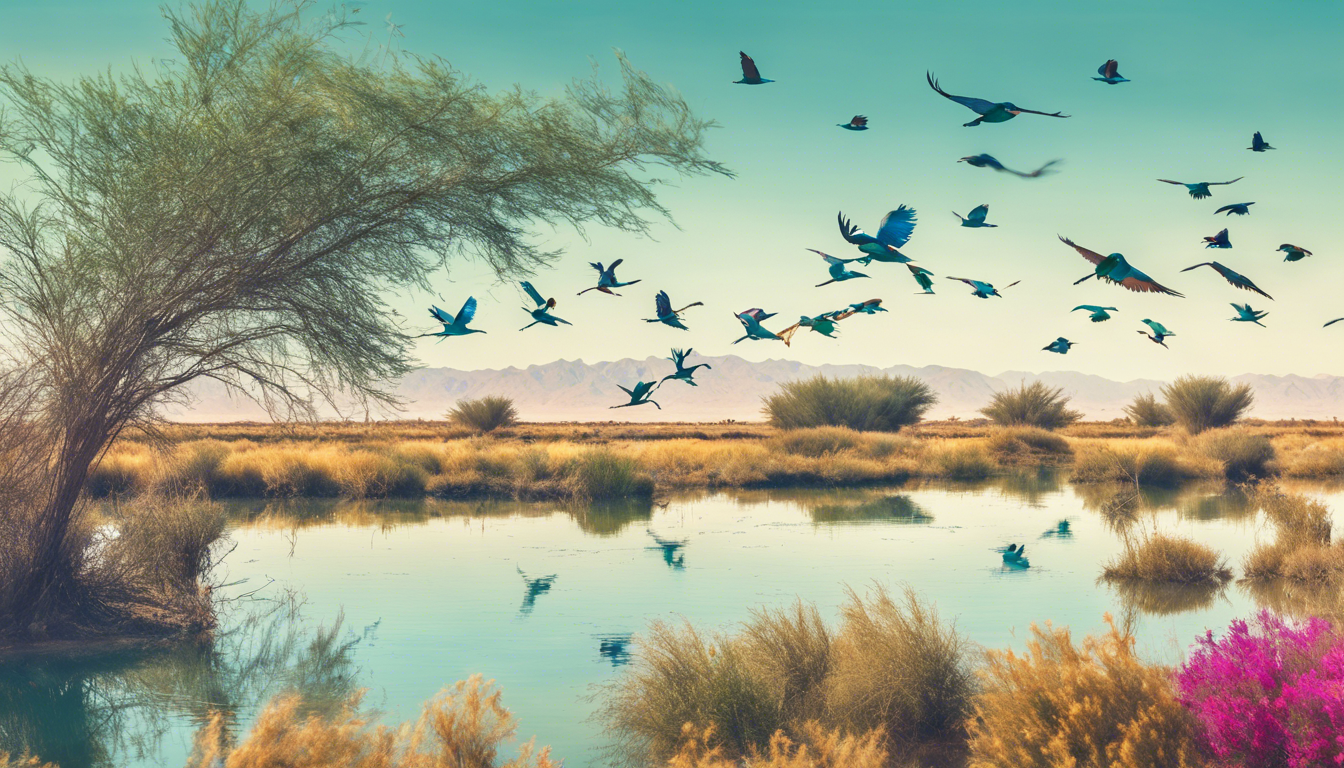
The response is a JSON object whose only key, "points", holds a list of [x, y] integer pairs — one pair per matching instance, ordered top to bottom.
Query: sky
{"points": [[1205, 76]]}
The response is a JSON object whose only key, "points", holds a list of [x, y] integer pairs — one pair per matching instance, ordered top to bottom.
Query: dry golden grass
{"points": [[1150, 461], [1301, 550], [1160, 557], [818, 748], [29, 761]]}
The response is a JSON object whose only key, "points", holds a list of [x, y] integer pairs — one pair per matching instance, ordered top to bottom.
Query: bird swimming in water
{"points": [[1110, 73], [750, 74], [989, 111], [856, 123], [1258, 143], [988, 161], [1200, 189], [1241, 209], [976, 218], [892, 233], [1218, 241], [1294, 252], [837, 269], [1115, 269], [922, 276], [606, 278], [1237, 279], [983, 290], [869, 307], [542, 312], [666, 314], [1099, 314], [1247, 315], [751, 320], [454, 326], [1159, 334], [1060, 345], [684, 373], [640, 394], [1016, 556]]}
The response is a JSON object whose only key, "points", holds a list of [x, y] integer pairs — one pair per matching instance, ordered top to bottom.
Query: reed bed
{"points": [[1301, 550], [1164, 558]]}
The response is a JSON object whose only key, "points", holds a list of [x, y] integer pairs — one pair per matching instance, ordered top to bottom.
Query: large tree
{"points": [[239, 213]]}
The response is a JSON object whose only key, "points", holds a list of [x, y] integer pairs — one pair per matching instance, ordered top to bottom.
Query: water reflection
{"points": [[884, 509], [1062, 530], [672, 551], [536, 587], [1155, 599], [1297, 599], [615, 648]]}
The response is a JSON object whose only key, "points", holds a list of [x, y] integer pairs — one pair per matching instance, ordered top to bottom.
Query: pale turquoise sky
{"points": [[1205, 76]]}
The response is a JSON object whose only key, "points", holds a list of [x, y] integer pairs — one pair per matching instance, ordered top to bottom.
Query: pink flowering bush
{"points": [[1269, 693]]}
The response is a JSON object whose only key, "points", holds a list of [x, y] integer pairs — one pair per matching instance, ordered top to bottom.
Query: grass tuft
{"points": [[867, 403], [1199, 403], [1031, 405], [485, 414], [1027, 445], [1241, 454], [1168, 559]]}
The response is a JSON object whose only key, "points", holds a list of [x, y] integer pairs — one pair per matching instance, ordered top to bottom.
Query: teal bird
{"points": [[1110, 73], [750, 74], [989, 111], [856, 123], [1258, 143], [989, 161], [1200, 189], [1241, 209], [976, 218], [894, 232], [1219, 240], [1294, 252], [837, 269], [1116, 270], [922, 276], [606, 278], [1237, 279], [983, 290], [869, 307], [542, 312], [666, 314], [1099, 314], [1247, 315], [751, 321], [823, 324], [454, 326], [1159, 334], [1060, 345], [683, 373], [639, 395], [1016, 556]]}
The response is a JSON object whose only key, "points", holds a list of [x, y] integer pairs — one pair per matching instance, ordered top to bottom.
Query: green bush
{"points": [[1207, 402], [867, 403], [1031, 405], [1147, 411], [485, 414]]}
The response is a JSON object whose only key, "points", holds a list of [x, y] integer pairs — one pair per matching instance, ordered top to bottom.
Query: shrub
{"points": [[1207, 402], [867, 403], [1031, 405], [1146, 410], [485, 414], [1027, 443], [1242, 455], [604, 474], [1165, 558], [1268, 693], [1097, 706]]}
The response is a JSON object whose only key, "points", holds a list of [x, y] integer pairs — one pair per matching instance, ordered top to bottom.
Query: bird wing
{"points": [[1109, 69], [749, 70], [975, 105], [1038, 112], [859, 121], [1177, 183], [1221, 183], [1226, 208], [979, 213], [897, 226], [852, 234], [1092, 256], [833, 261], [598, 266], [611, 269], [917, 270], [965, 280], [1139, 282], [1244, 283], [1010, 285], [536, 297], [662, 304], [468, 311], [757, 314], [440, 315], [1332, 322], [1158, 328], [678, 356], [642, 389], [626, 391]]}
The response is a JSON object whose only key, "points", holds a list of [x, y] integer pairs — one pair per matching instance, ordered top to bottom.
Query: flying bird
{"points": [[1110, 73], [750, 74], [989, 111], [856, 123], [1258, 143], [988, 161], [1200, 190], [1241, 209], [976, 218], [892, 233], [1218, 241], [1294, 252], [837, 269], [1115, 269], [922, 276], [606, 278], [1236, 279], [983, 290], [869, 307], [542, 312], [666, 314], [1098, 314], [1247, 315], [751, 321], [823, 324], [454, 326], [1159, 334], [1060, 345], [683, 373], [639, 395]]}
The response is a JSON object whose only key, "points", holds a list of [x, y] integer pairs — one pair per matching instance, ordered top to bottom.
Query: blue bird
{"points": [[1110, 73], [750, 74], [989, 111], [856, 123], [1258, 143], [989, 161], [1200, 189], [1241, 209], [976, 218], [894, 232], [1219, 240], [1294, 253], [837, 269], [1115, 269], [922, 276], [606, 278], [1237, 279], [983, 290], [869, 307], [542, 312], [666, 314], [1099, 314], [1247, 315], [751, 321], [454, 326], [1159, 334], [1060, 345], [684, 373], [639, 395], [1016, 556]]}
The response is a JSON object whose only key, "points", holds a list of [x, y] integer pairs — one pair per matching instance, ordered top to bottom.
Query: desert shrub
{"points": [[1207, 402], [867, 403], [1031, 405], [1146, 410], [484, 414], [816, 442], [1027, 443], [1242, 455], [958, 460], [1142, 463], [604, 474], [1163, 558], [1268, 693], [1094, 706], [817, 748]]}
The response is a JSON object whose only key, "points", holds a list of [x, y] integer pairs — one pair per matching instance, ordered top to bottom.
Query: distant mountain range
{"points": [[577, 391]]}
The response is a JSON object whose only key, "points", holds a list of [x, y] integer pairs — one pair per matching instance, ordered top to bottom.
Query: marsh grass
{"points": [[868, 403], [1199, 403], [1031, 405], [1146, 410], [485, 414], [1032, 445], [1242, 455], [957, 460], [1140, 462], [605, 474], [1301, 550], [1160, 557], [816, 748]]}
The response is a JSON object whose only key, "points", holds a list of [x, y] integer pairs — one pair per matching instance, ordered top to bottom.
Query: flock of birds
{"points": [[893, 232]]}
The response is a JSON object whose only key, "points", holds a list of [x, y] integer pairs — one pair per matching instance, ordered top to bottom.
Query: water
{"points": [[544, 599]]}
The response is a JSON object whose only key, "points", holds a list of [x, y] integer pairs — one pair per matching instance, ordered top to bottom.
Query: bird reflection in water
{"points": [[1062, 530], [672, 551], [536, 585], [615, 648]]}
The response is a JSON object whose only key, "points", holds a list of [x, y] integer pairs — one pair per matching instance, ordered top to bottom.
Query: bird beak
{"points": [[964, 159]]}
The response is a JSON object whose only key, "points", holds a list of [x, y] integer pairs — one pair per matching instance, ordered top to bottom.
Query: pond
{"points": [[403, 599]]}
